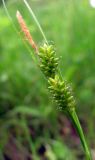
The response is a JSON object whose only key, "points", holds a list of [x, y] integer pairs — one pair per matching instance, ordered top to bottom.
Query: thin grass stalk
{"points": [[73, 116]]}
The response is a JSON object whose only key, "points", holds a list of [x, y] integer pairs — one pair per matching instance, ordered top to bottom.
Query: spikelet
{"points": [[26, 31], [48, 60], [61, 93]]}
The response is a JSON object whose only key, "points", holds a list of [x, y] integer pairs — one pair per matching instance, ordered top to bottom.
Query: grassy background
{"points": [[28, 117]]}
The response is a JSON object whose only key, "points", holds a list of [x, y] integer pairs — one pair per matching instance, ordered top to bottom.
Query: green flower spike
{"points": [[48, 60], [62, 94]]}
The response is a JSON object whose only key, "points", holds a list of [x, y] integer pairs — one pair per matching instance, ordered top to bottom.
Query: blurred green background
{"points": [[30, 125]]}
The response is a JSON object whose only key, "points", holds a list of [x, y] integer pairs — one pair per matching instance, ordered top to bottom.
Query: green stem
{"points": [[78, 127]]}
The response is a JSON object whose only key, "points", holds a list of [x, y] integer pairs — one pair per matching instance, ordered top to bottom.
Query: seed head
{"points": [[48, 60], [61, 93]]}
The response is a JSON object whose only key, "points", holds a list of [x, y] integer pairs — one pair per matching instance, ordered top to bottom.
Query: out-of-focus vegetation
{"points": [[30, 125]]}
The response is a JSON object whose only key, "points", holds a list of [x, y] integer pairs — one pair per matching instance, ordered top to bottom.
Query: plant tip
{"points": [[18, 14]]}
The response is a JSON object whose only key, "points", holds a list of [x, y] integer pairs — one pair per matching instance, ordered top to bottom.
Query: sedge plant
{"points": [[60, 90]]}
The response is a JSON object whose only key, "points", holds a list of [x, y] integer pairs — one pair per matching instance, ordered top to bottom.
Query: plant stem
{"points": [[78, 127]]}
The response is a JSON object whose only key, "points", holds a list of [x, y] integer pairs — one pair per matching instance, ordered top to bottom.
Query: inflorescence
{"points": [[48, 62]]}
